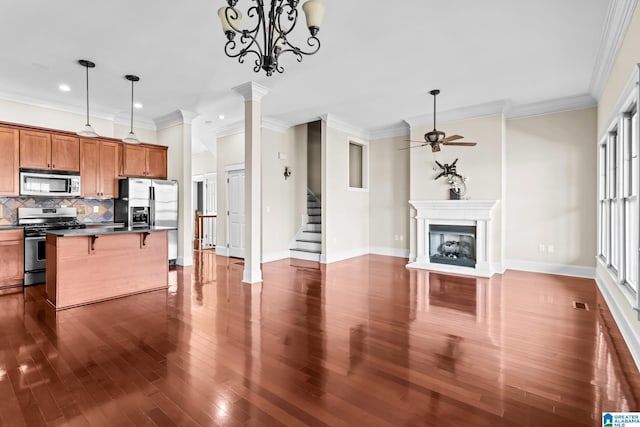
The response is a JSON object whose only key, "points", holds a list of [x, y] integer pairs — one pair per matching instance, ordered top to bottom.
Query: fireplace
{"points": [[453, 236], [452, 244]]}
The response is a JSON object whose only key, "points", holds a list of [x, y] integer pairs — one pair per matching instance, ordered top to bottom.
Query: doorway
{"points": [[235, 212]]}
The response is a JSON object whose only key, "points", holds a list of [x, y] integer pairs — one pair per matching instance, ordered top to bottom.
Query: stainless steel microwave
{"points": [[41, 183]]}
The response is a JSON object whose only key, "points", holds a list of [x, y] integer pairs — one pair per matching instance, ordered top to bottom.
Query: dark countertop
{"points": [[11, 227], [101, 231]]}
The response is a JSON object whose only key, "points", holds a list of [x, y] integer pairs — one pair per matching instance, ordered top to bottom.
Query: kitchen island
{"points": [[96, 264]]}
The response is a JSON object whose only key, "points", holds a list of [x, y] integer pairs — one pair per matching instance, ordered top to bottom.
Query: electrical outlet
{"points": [[96, 209], [395, 237], [401, 237], [541, 248], [550, 249]]}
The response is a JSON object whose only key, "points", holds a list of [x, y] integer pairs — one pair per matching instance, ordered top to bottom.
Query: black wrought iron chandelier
{"points": [[269, 37]]}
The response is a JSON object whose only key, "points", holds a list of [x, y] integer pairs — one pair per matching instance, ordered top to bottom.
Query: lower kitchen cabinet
{"points": [[11, 258]]}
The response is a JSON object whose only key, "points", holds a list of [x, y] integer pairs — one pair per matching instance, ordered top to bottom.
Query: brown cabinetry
{"points": [[43, 150], [9, 161], [144, 161], [99, 168], [12, 256]]}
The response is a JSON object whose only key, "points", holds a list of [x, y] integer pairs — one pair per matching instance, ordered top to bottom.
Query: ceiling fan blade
{"points": [[453, 138], [413, 140], [463, 144], [413, 146]]}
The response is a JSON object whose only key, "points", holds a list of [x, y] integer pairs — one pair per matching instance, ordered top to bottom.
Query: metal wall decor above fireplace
{"points": [[452, 244]]}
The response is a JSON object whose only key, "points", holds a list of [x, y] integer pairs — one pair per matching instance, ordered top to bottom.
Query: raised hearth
{"points": [[454, 236]]}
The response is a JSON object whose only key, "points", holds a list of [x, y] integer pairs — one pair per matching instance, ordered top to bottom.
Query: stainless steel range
{"points": [[36, 222]]}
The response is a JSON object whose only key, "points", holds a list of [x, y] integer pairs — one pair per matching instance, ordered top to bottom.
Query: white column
{"points": [[252, 94], [174, 131]]}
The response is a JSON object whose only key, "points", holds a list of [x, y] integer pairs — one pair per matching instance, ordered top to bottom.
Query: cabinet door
{"points": [[35, 149], [65, 153], [134, 160], [9, 162], [156, 162], [109, 169], [89, 172], [12, 256]]}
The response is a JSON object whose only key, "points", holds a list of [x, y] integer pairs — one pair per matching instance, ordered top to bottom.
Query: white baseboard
{"points": [[379, 250], [222, 251], [275, 256], [341, 256], [185, 262], [561, 269], [630, 334]]}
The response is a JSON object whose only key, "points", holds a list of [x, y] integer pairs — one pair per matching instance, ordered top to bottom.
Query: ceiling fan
{"points": [[435, 138]]}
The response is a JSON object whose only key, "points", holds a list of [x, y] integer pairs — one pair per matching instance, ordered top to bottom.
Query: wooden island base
{"points": [[91, 268]]}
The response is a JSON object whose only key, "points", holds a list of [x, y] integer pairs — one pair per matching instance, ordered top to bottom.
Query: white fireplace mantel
{"points": [[478, 213]]}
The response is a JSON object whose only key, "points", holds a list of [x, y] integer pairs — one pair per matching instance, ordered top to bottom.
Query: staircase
{"points": [[308, 243]]}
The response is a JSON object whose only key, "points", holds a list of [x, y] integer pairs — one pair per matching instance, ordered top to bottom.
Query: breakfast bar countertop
{"points": [[80, 232]]}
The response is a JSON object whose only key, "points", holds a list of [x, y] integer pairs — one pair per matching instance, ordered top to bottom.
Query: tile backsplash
{"points": [[9, 208]]}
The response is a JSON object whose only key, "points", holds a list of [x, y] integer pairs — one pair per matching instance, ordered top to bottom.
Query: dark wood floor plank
{"points": [[359, 342]]}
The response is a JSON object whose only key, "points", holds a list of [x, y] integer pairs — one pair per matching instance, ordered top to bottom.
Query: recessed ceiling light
{"points": [[64, 88], [137, 105], [221, 116], [207, 122]]}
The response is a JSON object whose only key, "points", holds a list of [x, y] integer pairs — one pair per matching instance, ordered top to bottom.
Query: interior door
{"points": [[235, 213]]}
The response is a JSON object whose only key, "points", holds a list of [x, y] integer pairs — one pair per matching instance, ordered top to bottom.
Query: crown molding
{"points": [[617, 22], [251, 91], [627, 95], [569, 103], [65, 108], [464, 113], [175, 118], [124, 119], [338, 124], [274, 125], [230, 129], [399, 129]]}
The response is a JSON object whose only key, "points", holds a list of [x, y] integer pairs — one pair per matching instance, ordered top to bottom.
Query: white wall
{"points": [[629, 54], [31, 115], [178, 139], [230, 151], [203, 163], [482, 164], [551, 188], [278, 194], [389, 195], [345, 212]]}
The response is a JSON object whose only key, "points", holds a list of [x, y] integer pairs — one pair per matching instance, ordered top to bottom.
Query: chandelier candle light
{"points": [[268, 38]]}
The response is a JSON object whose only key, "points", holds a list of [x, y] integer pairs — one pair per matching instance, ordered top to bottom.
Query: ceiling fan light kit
{"points": [[268, 37], [435, 138]]}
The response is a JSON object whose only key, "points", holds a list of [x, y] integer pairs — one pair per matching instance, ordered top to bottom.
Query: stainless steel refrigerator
{"points": [[161, 198]]}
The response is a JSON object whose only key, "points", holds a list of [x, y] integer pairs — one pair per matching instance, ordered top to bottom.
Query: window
{"points": [[358, 165], [618, 199]]}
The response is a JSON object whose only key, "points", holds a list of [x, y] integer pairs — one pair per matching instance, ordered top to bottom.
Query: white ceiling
{"points": [[374, 69]]}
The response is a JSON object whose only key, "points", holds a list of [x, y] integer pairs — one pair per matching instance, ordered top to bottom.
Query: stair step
{"points": [[314, 205], [314, 211], [314, 222], [313, 228], [308, 245], [311, 251], [305, 255], [301, 263]]}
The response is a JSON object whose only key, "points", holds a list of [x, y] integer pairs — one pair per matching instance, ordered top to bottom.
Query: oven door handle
{"points": [[35, 238]]}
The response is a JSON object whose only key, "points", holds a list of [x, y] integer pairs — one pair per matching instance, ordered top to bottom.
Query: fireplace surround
{"points": [[454, 236]]}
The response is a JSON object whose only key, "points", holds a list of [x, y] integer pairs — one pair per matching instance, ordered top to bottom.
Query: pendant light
{"points": [[87, 131], [131, 138]]}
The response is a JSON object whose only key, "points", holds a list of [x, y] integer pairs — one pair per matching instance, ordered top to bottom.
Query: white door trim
{"points": [[229, 170]]}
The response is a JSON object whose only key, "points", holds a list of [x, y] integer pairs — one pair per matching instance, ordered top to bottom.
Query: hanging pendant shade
{"points": [[87, 130], [131, 137]]}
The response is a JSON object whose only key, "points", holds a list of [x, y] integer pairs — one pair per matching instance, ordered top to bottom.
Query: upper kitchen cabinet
{"points": [[43, 150], [9, 161], [146, 161], [99, 168]]}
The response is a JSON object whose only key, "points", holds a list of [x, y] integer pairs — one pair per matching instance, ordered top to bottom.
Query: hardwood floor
{"points": [[364, 342]]}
